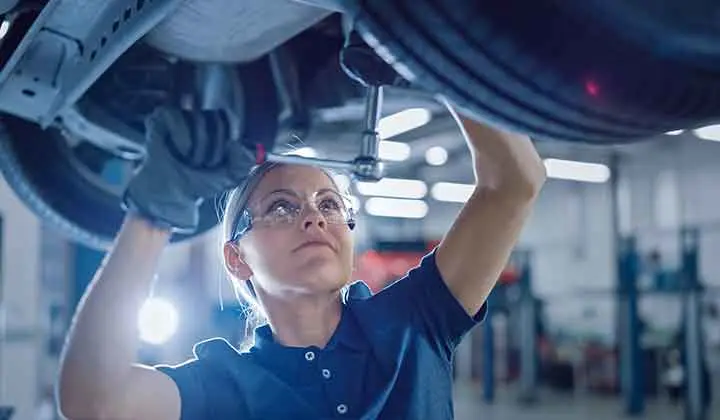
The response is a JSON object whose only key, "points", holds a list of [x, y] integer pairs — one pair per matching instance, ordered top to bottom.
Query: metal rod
{"points": [[212, 86], [373, 109], [309, 161]]}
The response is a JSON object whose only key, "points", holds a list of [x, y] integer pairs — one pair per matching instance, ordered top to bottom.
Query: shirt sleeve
{"points": [[432, 308], [191, 381]]}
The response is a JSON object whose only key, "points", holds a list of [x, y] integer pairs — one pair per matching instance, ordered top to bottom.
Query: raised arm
{"points": [[508, 177], [98, 377]]}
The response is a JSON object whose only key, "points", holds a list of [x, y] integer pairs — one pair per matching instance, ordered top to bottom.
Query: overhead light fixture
{"points": [[402, 122], [675, 132], [711, 132], [393, 151], [304, 152], [436, 156], [577, 171], [394, 187], [452, 192], [396, 207]]}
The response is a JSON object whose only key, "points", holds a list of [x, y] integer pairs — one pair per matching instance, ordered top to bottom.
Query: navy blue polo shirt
{"points": [[389, 358]]}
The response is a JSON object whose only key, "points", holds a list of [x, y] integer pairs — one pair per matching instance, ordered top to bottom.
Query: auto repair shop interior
{"points": [[609, 305]]}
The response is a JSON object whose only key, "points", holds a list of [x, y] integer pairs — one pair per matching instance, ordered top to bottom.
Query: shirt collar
{"points": [[347, 334]]}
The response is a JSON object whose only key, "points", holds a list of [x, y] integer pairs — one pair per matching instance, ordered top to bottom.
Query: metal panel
{"points": [[80, 40]]}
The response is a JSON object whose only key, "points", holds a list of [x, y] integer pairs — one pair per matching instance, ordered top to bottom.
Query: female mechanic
{"points": [[328, 348]]}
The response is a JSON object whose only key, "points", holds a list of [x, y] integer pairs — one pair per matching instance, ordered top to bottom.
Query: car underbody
{"points": [[78, 78]]}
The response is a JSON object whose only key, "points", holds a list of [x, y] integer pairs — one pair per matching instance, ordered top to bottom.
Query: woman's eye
{"points": [[330, 204], [280, 207]]}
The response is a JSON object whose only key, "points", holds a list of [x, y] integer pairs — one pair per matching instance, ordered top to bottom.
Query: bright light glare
{"points": [[4, 28], [402, 122], [675, 132], [711, 132], [394, 151], [304, 152], [436, 156], [577, 171], [394, 187], [452, 192], [395, 207], [158, 321]]}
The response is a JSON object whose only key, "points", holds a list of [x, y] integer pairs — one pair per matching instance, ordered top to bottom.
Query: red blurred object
{"points": [[592, 88], [380, 268], [509, 275]]}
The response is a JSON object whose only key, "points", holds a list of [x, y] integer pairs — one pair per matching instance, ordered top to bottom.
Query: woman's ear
{"points": [[234, 261]]}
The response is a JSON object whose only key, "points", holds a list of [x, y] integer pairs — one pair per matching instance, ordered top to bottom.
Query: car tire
{"points": [[549, 69], [38, 166]]}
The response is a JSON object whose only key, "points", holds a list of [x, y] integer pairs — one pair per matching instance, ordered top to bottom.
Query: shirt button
{"points": [[309, 356], [326, 373], [342, 408]]}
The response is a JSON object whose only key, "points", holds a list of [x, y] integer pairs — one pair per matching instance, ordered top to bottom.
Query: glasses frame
{"points": [[249, 222]]}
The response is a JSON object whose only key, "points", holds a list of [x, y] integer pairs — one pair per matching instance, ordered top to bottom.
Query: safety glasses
{"points": [[283, 208]]}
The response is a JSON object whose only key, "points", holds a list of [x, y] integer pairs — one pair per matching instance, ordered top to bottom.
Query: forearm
{"points": [[503, 161], [509, 175], [103, 340]]}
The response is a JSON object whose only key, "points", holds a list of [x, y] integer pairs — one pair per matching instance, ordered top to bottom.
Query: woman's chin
{"points": [[321, 275]]}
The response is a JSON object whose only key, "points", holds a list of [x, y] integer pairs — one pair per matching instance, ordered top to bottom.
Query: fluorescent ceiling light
{"points": [[402, 122], [675, 132], [711, 132], [393, 150], [304, 152], [436, 156], [577, 171], [394, 187], [452, 192], [395, 207]]}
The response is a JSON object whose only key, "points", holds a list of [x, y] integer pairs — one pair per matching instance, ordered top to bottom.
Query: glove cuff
{"points": [[174, 217]]}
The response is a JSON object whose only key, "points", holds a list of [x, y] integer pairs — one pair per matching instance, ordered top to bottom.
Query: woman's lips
{"points": [[314, 244]]}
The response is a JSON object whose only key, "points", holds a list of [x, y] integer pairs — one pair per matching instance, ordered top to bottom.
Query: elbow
{"points": [[535, 180], [524, 184]]}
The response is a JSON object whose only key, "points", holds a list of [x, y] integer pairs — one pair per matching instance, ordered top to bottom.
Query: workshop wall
{"points": [[662, 187], [21, 332]]}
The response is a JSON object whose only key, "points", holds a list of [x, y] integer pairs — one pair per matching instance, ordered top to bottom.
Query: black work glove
{"points": [[191, 156]]}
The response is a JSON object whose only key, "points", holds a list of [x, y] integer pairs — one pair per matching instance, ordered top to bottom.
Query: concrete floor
{"points": [[469, 406]]}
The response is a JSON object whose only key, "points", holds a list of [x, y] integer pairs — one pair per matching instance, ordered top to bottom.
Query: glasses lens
{"points": [[335, 207], [283, 211]]}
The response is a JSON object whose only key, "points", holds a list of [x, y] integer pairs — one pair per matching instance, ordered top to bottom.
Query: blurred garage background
{"points": [[611, 298]]}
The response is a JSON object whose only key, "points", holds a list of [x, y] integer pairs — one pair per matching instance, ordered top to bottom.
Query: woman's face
{"points": [[313, 254]]}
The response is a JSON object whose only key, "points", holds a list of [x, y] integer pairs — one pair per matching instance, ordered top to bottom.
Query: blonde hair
{"points": [[236, 203]]}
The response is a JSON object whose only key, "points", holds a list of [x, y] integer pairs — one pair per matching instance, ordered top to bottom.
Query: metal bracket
{"points": [[78, 41], [366, 166]]}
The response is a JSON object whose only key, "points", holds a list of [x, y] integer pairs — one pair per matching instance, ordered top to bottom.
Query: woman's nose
{"points": [[313, 217]]}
